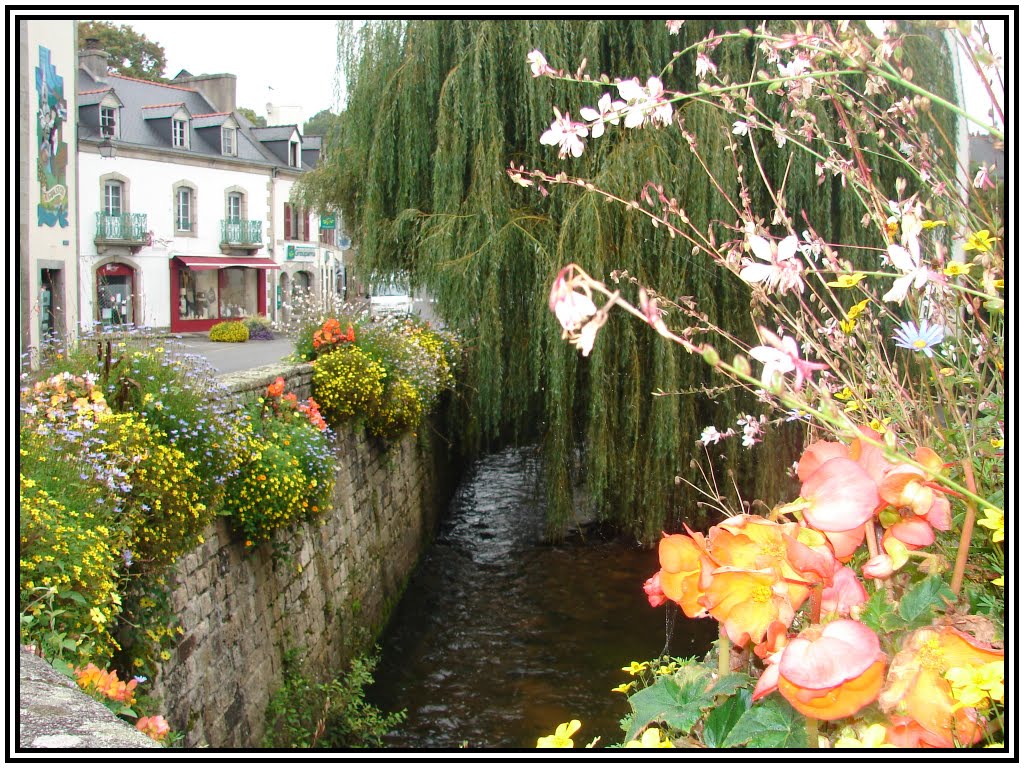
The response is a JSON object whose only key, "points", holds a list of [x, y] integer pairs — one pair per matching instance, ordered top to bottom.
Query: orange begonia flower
{"points": [[869, 456], [841, 496], [845, 543], [681, 559], [746, 602], [832, 672], [915, 687], [906, 733]]}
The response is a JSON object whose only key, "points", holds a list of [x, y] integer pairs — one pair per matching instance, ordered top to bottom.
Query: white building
{"points": [[184, 208]]}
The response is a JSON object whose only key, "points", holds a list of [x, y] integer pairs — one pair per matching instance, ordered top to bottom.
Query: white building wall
{"points": [[151, 185]]}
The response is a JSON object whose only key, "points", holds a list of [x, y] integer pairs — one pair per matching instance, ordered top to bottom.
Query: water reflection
{"points": [[500, 637]]}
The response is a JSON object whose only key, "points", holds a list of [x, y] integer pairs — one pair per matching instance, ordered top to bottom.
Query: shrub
{"points": [[259, 328], [229, 330], [347, 383], [400, 411], [68, 574], [333, 715]]}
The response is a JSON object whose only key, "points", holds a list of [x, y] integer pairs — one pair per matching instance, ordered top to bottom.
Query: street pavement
{"points": [[228, 357]]}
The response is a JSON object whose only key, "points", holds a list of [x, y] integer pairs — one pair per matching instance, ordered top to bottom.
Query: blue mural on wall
{"points": [[52, 167]]}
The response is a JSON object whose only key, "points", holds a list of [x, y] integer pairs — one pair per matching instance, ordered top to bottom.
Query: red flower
{"points": [[277, 388]]}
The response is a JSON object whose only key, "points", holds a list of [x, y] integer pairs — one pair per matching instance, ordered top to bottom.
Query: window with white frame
{"points": [[108, 122], [179, 134], [228, 141], [294, 157], [113, 198], [234, 206], [184, 207]]}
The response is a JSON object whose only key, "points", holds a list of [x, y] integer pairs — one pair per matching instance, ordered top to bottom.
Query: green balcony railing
{"points": [[121, 227], [241, 232]]}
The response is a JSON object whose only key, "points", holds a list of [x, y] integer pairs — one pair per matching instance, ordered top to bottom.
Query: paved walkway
{"points": [[227, 357]]}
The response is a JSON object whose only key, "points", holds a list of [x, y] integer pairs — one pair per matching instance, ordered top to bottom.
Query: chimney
{"points": [[93, 60], [219, 90]]}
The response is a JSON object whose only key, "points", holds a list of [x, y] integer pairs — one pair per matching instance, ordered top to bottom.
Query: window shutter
{"points": [[287, 222], [306, 230]]}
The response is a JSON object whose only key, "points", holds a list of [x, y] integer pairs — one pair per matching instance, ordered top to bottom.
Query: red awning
{"points": [[220, 262]]}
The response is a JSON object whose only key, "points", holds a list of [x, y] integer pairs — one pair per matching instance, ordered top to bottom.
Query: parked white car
{"points": [[391, 299]]}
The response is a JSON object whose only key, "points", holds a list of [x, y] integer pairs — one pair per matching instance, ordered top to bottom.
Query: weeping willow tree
{"points": [[436, 111]]}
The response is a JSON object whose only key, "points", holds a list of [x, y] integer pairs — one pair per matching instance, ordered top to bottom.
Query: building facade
{"points": [[184, 211], [47, 236]]}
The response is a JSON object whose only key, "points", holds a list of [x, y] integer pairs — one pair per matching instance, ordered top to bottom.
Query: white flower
{"points": [[538, 64], [704, 66], [796, 67], [644, 104], [607, 112], [740, 127], [566, 134], [781, 271], [710, 435]]}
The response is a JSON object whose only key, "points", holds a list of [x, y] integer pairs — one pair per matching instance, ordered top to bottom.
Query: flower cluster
{"points": [[230, 331], [330, 336], [106, 684], [155, 726]]}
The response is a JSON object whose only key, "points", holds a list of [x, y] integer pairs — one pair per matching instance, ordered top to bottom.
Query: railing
{"points": [[122, 227], [241, 232]]}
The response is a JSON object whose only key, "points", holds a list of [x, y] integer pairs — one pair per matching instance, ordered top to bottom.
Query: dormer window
{"points": [[108, 122], [179, 134], [228, 143], [294, 157]]}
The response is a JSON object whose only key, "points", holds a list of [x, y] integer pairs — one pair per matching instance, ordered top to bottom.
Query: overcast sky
{"points": [[286, 62], [293, 62]]}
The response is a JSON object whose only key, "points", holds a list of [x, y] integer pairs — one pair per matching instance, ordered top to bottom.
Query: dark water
{"points": [[500, 637]]}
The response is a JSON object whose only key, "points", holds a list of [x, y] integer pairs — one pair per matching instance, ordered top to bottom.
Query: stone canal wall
{"points": [[326, 587], [327, 590]]}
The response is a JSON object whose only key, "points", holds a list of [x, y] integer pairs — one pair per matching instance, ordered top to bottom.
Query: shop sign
{"points": [[328, 221]]}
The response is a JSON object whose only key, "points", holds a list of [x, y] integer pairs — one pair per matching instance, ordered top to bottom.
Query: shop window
{"points": [[238, 292], [197, 294]]}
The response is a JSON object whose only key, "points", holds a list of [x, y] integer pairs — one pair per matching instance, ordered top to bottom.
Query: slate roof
{"points": [[136, 95]]}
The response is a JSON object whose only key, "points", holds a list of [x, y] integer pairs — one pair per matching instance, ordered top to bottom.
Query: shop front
{"points": [[206, 290]]}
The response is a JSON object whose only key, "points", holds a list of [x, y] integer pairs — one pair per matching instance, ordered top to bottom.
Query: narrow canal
{"points": [[501, 637]]}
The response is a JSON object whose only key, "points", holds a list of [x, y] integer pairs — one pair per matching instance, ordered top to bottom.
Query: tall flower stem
{"points": [[965, 534], [724, 650], [812, 733]]}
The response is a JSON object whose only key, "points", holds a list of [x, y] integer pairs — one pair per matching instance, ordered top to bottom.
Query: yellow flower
{"points": [[929, 224], [980, 241], [957, 268], [846, 281], [854, 312], [844, 394], [879, 426], [997, 442], [994, 521], [635, 667], [976, 686], [624, 688], [872, 737], [560, 739], [650, 739]]}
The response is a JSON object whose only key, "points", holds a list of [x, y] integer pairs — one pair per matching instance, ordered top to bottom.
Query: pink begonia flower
{"points": [[607, 112], [566, 134], [781, 269], [783, 355], [816, 454], [840, 495], [845, 592]]}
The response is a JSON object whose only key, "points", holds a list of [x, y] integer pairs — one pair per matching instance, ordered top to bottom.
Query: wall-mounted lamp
{"points": [[107, 148]]}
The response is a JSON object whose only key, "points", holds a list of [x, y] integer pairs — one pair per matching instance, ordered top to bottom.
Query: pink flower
{"points": [[674, 25], [538, 64], [644, 104], [566, 134], [981, 179], [781, 270], [783, 356], [841, 496], [155, 727]]}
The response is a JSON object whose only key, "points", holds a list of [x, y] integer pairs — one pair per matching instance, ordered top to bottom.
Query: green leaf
{"points": [[76, 597], [923, 600], [877, 612], [677, 700], [724, 717], [770, 724]]}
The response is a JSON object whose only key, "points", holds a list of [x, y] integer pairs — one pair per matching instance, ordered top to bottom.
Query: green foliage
{"points": [[131, 54], [250, 114], [320, 124], [417, 168], [229, 330], [400, 410], [917, 607], [679, 700], [303, 714], [771, 724]]}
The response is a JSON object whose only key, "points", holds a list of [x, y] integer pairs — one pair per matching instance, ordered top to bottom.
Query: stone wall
{"points": [[327, 589]]}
